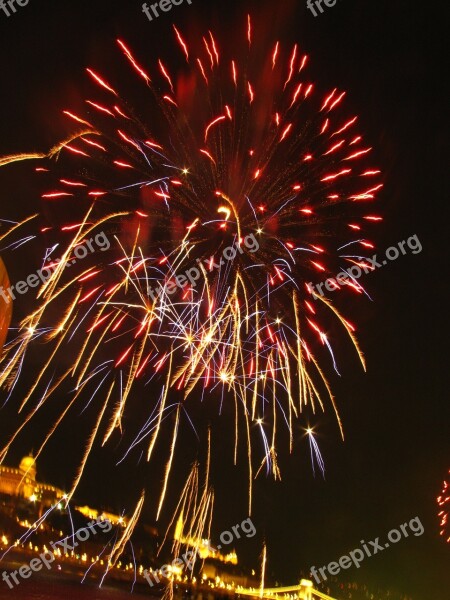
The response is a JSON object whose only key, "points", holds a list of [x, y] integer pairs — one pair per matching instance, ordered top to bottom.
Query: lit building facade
{"points": [[22, 483]]}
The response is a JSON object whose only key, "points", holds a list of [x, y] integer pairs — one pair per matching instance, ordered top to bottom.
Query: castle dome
{"points": [[28, 466]]}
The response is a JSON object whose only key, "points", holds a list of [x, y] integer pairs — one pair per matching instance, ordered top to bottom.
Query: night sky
{"points": [[388, 56]]}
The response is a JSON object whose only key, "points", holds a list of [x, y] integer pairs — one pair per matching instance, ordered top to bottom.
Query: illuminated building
{"points": [[22, 483], [92, 513], [204, 548]]}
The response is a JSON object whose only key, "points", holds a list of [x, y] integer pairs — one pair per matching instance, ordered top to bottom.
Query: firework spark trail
{"points": [[254, 162], [316, 456], [443, 501], [193, 514], [192, 519], [33, 528], [119, 545], [94, 563], [263, 571]]}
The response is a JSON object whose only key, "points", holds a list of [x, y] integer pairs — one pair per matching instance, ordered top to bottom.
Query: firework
{"points": [[242, 183], [5, 306], [443, 501], [263, 570]]}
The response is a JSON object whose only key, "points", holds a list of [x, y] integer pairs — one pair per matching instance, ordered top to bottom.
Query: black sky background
{"points": [[388, 56]]}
